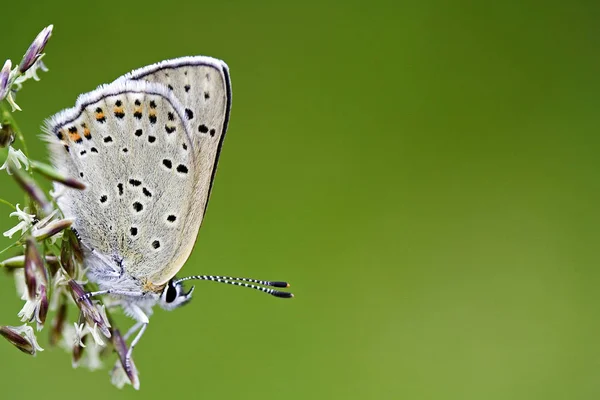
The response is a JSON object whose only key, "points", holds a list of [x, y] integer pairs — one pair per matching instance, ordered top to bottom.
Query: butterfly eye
{"points": [[171, 294]]}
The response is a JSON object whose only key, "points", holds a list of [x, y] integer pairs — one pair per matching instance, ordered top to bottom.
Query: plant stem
{"points": [[7, 203]]}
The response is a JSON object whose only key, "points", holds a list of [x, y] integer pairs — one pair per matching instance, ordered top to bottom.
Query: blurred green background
{"points": [[424, 173]]}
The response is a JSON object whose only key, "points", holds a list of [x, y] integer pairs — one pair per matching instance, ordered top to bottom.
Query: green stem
{"points": [[7, 117], [7, 203], [9, 247]]}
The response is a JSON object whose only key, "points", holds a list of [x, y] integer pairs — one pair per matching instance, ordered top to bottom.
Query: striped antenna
{"points": [[236, 281]]}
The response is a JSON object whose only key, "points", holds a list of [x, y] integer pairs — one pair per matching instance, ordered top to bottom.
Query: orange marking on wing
{"points": [[75, 136]]}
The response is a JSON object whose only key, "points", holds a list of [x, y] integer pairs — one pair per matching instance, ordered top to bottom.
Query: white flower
{"points": [[11, 100], [14, 160], [26, 220], [20, 284], [32, 307], [102, 309], [26, 313], [79, 334], [95, 334], [72, 336], [68, 337], [91, 357], [118, 377]]}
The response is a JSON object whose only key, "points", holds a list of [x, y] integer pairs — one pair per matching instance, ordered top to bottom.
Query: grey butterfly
{"points": [[147, 147]]}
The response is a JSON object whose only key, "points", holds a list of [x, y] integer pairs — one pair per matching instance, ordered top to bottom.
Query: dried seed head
{"points": [[35, 49]]}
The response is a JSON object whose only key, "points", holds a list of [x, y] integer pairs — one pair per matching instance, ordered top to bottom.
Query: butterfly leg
{"points": [[110, 291], [143, 320], [132, 330]]}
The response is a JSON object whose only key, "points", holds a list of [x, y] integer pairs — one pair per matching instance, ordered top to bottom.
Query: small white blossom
{"points": [[4, 79], [11, 100], [14, 159], [26, 220], [20, 284], [32, 307], [102, 309], [26, 313], [79, 334], [95, 334], [69, 338], [91, 357], [118, 377]]}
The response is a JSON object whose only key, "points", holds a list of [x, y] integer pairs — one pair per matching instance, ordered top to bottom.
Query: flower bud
{"points": [[35, 49], [4, 83], [52, 174], [27, 183], [52, 229], [73, 240], [66, 258], [53, 264], [33, 265], [42, 310], [89, 311], [59, 322], [10, 334], [22, 337], [128, 365]]}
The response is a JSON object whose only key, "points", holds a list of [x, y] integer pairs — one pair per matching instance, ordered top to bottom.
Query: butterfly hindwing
{"points": [[129, 143]]}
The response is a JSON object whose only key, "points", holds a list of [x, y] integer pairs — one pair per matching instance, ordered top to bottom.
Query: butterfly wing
{"points": [[202, 86], [129, 142]]}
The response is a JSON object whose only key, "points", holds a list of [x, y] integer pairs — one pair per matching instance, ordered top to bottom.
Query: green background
{"points": [[425, 175]]}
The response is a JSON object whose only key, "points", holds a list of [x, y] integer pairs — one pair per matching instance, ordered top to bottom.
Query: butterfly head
{"points": [[173, 295]]}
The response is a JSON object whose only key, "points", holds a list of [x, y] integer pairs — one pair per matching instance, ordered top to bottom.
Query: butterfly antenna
{"points": [[242, 282]]}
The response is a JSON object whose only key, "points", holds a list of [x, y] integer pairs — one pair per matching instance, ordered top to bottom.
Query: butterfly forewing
{"points": [[202, 86], [129, 142]]}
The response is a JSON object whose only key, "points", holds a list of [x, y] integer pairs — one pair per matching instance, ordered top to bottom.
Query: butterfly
{"points": [[147, 147]]}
